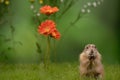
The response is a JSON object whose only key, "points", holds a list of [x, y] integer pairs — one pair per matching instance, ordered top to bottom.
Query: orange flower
{"points": [[48, 10], [47, 27], [55, 34]]}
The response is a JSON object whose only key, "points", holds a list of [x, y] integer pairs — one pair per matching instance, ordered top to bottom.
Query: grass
{"points": [[61, 71]]}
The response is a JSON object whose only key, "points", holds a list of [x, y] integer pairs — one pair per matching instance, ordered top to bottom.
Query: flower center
{"points": [[47, 29]]}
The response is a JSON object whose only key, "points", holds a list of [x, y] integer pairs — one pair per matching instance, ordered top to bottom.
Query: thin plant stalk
{"points": [[47, 54], [55, 55]]}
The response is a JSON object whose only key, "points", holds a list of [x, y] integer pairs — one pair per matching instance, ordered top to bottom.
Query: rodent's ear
{"points": [[95, 47]]}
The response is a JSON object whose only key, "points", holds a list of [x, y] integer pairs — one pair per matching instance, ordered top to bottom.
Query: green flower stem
{"points": [[47, 54], [55, 55]]}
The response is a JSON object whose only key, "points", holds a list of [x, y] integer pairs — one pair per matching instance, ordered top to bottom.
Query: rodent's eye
{"points": [[95, 46], [87, 47]]}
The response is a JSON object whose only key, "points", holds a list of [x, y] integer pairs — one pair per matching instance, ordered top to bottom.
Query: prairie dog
{"points": [[90, 62]]}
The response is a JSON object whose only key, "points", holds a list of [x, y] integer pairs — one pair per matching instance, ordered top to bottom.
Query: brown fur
{"points": [[91, 66]]}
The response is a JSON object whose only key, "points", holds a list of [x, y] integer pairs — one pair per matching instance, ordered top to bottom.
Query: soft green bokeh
{"points": [[88, 29]]}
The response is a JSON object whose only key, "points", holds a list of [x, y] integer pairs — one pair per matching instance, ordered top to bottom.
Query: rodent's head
{"points": [[91, 51]]}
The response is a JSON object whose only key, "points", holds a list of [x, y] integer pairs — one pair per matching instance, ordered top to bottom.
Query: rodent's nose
{"points": [[91, 51]]}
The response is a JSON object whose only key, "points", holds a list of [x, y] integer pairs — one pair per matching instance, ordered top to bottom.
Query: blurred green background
{"points": [[19, 38]]}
